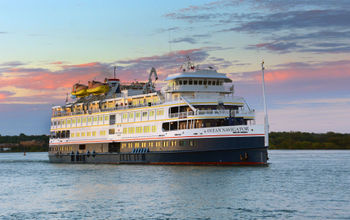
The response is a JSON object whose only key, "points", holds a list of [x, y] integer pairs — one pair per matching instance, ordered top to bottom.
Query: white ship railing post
{"points": [[266, 121]]}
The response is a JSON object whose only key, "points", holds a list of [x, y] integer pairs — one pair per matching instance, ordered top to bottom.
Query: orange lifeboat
{"points": [[97, 88], [79, 90]]}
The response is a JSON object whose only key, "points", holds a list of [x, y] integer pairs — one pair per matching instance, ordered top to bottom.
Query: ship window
{"points": [[180, 82], [185, 82], [190, 82], [195, 82], [200, 82], [205, 82], [221, 82], [209, 83], [160, 112], [151, 113], [137, 114], [144, 114], [125, 115], [131, 115], [106, 117], [100, 118], [89, 119], [112, 119], [79, 120], [84, 120], [173, 125], [165, 126], [154, 128], [138, 129], [146, 129], [125, 130], [131, 130], [111, 131], [88, 133], [94, 133], [102, 133], [68, 134], [83, 134], [165, 143], [82, 146]]}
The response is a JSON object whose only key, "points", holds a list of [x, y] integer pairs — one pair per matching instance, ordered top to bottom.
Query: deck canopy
{"points": [[206, 74]]}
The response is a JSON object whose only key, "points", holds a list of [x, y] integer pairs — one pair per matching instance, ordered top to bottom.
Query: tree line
{"points": [[278, 140], [305, 140]]}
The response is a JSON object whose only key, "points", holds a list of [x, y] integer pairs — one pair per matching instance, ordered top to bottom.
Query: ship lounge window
{"points": [[180, 82], [185, 82], [190, 82], [195, 82], [200, 82], [205, 82], [209, 83], [173, 125], [165, 126]]}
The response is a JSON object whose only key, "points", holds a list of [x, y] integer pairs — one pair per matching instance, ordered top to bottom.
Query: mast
{"points": [[115, 68], [266, 121]]}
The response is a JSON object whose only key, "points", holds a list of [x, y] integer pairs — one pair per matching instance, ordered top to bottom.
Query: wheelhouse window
{"points": [[180, 82], [185, 82], [190, 82], [195, 82], [200, 82], [209, 82]]}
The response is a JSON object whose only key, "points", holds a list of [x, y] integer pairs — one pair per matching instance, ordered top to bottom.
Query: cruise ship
{"points": [[195, 119]]}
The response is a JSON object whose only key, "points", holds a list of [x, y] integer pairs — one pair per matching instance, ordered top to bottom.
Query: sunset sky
{"points": [[47, 46]]}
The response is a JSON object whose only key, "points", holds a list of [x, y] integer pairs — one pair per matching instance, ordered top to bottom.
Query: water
{"points": [[296, 185]]}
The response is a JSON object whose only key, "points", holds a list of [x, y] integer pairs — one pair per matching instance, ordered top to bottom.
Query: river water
{"points": [[296, 184]]}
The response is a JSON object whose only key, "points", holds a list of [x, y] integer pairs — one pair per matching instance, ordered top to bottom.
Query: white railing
{"points": [[64, 113]]}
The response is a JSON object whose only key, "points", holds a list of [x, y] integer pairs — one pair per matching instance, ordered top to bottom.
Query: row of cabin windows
{"points": [[199, 82], [105, 119], [81, 120], [141, 129], [67, 134], [171, 143], [61, 148]]}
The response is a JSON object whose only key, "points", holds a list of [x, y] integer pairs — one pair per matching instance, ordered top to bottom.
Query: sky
{"points": [[47, 46]]}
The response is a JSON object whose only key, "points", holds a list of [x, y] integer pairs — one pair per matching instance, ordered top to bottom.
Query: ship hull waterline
{"points": [[241, 157]]}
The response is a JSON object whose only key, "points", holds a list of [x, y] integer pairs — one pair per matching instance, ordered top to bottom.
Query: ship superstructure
{"points": [[194, 119]]}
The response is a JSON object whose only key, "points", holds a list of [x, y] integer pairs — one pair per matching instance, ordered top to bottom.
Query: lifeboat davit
{"points": [[97, 88], [79, 90]]}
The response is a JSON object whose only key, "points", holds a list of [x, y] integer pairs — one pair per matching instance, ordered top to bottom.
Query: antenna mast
{"points": [[115, 68], [266, 121]]}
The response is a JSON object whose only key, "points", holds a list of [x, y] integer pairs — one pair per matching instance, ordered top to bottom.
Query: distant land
{"points": [[278, 140]]}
